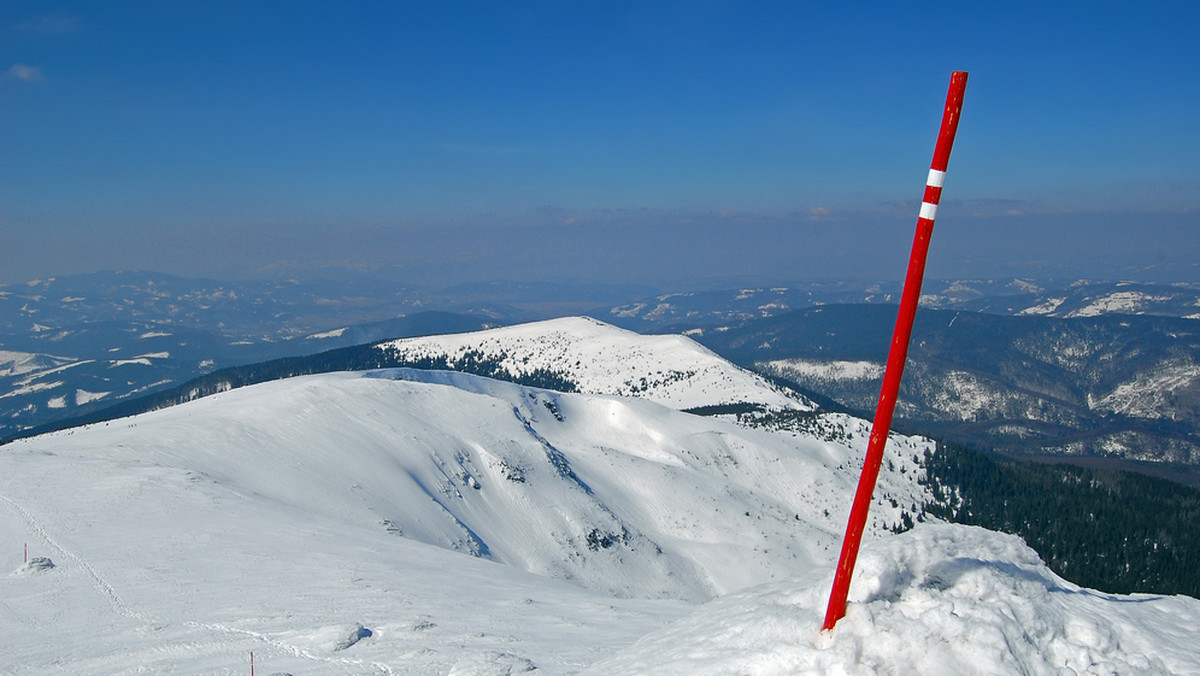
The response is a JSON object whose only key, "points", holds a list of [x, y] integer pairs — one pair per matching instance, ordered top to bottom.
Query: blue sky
{"points": [[652, 142]]}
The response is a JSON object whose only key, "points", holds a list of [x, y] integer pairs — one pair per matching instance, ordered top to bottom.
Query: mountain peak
{"points": [[599, 358]]}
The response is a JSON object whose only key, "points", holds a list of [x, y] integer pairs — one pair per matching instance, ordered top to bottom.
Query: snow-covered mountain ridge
{"points": [[603, 359], [459, 461], [620, 496], [424, 522]]}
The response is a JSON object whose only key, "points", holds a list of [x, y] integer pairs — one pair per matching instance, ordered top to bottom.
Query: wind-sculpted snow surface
{"points": [[602, 359], [940, 599]]}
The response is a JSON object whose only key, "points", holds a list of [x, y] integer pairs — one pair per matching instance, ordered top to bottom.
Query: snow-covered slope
{"points": [[603, 359], [1153, 393], [574, 486], [265, 515], [415, 522], [940, 599]]}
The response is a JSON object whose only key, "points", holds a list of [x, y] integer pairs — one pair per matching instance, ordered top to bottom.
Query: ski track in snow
{"points": [[98, 581], [290, 649]]}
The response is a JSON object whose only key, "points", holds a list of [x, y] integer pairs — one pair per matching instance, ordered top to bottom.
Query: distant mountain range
{"points": [[1014, 297], [74, 345], [584, 356], [93, 366], [1077, 368], [1118, 386], [427, 520]]}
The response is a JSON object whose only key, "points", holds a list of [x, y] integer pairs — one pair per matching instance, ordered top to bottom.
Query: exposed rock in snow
{"points": [[38, 564]]}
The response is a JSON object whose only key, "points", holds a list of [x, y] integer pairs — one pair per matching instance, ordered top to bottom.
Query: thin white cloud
{"points": [[26, 73]]}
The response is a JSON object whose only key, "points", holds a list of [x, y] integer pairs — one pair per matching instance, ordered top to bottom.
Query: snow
{"points": [[1026, 285], [1118, 302], [1046, 307], [628, 311], [336, 333], [603, 359], [140, 360], [136, 361], [14, 363], [825, 371], [34, 375], [150, 386], [30, 389], [1150, 393], [965, 396], [83, 397], [416, 522], [524, 524], [187, 537], [940, 599]]}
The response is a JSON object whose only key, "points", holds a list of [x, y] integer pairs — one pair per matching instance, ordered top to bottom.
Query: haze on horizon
{"points": [[642, 142]]}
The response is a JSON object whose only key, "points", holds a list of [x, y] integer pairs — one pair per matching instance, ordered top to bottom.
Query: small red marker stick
{"points": [[898, 353]]}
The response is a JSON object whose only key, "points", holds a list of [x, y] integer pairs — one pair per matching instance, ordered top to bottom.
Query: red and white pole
{"points": [[898, 353]]}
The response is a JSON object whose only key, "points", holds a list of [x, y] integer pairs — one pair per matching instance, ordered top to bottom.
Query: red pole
{"points": [[898, 353]]}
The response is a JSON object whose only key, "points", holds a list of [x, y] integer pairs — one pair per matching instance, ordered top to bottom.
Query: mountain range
{"points": [[1066, 299], [73, 346], [584, 355], [1051, 370], [1111, 386], [362, 475], [419, 521]]}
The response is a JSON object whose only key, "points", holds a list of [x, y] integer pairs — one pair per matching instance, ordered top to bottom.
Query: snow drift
{"points": [[941, 599]]}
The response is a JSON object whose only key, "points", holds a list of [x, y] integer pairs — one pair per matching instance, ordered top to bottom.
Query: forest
{"points": [[1113, 531]]}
